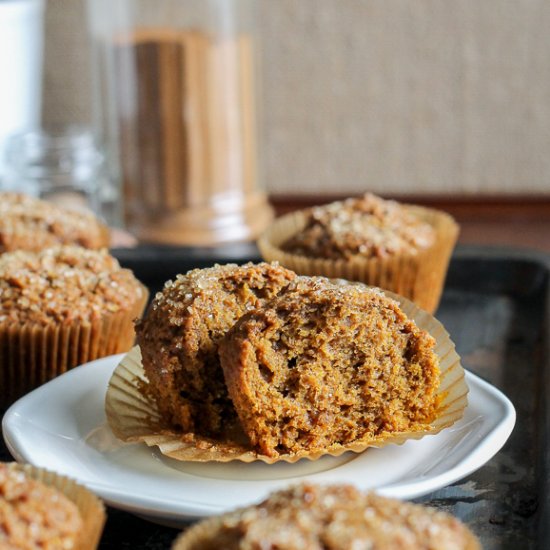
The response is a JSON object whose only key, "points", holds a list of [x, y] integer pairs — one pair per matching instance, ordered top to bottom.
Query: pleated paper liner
{"points": [[419, 276], [31, 355], [133, 414], [91, 509], [200, 535]]}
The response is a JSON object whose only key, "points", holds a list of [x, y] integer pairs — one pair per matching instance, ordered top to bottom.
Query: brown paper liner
{"points": [[105, 236], [419, 277], [31, 355], [133, 415], [91, 509]]}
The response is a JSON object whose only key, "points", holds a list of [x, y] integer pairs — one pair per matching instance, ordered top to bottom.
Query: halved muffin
{"points": [[180, 334], [327, 365]]}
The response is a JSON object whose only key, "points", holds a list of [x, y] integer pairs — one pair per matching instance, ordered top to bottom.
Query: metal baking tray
{"points": [[496, 306]]}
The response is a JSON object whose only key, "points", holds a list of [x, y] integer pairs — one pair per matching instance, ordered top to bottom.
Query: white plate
{"points": [[61, 426]]}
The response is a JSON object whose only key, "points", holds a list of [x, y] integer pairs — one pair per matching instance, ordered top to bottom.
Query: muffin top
{"points": [[28, 223], [366, 227], [249, 284], [62, 285], [34, 515], [335, 517]]}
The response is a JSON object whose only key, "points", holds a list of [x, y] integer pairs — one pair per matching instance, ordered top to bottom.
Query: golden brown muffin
{"points": [[27, 223], [397, 247], [59, 308], [180, 334], [324, 365], [44, 510], [33, 515], [329, 518]]}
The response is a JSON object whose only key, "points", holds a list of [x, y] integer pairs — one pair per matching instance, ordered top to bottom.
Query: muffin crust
{"points": [[27, 223], [364, 227], [63, 285], [330, 518]]}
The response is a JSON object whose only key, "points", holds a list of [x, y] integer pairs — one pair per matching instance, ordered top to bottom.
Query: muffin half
{"points": [[180, 334], [324, 366]]}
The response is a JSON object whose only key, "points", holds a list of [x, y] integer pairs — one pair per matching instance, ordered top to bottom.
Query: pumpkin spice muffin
{"points": [[28, 223], [398, 247], [59, 308], [180, 334], [326, 365], [42, 510], [33, 515], [335, 517]]}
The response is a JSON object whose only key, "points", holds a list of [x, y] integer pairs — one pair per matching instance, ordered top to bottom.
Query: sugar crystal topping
{"points": [[32, 224], [361, 227], [63, 284]]}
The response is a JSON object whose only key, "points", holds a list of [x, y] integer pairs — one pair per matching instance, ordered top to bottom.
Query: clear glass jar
{"points": [[175, 86], [63, 165]]}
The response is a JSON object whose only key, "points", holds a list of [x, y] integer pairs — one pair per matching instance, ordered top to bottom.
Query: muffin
{"points": [[28, 223], [398, 247], [59, 308], [180, 334], [326, 365], [428, 405], [42, 510], [337, 517]]}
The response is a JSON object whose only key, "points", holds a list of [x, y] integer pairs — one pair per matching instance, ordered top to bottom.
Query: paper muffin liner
{"points": [[104, 236], [419, 276], [31, 354], [133, 414], [91, 508], [199, 535]]}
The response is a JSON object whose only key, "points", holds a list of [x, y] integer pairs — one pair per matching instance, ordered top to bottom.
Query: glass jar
{"points": [[175, 86], [63, 165]]}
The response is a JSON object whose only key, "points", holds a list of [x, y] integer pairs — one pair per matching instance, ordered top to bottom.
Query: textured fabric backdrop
{"points": [[394, 96]]}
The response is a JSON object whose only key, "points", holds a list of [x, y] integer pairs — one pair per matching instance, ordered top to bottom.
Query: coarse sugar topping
{"points": [[28, 223], [367, 226], [63, 284], [178, 295], [337, 517]]}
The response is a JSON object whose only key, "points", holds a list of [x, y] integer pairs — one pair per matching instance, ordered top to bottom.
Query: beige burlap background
{"points": [[394, 96]]}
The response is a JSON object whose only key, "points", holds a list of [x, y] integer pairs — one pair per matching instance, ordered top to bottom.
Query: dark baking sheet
{"points": [[496, 305]]}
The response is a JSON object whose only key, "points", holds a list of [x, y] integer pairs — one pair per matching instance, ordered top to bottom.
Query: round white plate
{"points": [[61, 426]]}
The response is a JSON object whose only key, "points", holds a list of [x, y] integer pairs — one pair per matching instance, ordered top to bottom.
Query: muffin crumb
{"points": [[180, 334], [324, 365]]}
